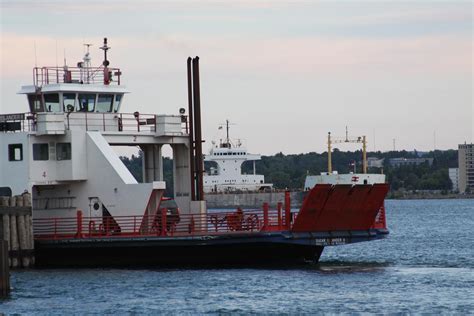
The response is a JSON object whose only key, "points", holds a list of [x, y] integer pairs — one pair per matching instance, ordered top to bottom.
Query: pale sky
{"points": [[285, 72]]}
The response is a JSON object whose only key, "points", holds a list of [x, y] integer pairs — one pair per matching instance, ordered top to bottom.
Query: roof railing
{"points": [[80, 75]]}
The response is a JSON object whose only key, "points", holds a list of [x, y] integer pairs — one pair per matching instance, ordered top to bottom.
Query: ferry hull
{"points": [[260, 249]]}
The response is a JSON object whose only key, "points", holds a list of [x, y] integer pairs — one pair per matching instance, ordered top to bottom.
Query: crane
{"points": [[360, 140]]}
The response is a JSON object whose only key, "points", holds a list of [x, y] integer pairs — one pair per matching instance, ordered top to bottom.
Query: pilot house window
{"points": [[118, 98], [51, 102], [69, 102], [86, 102], [35, 103], [104, 103], [15, 152], [40, 152]]}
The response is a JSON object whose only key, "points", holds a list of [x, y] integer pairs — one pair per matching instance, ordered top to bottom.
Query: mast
{"points": [[227, 129], [329, 154]]}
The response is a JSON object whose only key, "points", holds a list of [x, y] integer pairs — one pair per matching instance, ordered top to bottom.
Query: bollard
{"points": [[287, 209], [265, 216]]}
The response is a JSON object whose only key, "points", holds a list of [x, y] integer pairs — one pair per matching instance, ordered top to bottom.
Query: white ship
{"points": [[61, 150], [228, 176], [333, 177]]}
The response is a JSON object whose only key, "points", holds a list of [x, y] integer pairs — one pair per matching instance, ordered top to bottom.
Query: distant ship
{"points": [[228, 176], [332, 177]]}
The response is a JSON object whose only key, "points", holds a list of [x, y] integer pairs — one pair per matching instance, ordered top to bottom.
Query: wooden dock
{"points": [[16, 227]]}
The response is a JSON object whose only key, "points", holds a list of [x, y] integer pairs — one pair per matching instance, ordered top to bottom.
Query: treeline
{"points": [[289, 171]]}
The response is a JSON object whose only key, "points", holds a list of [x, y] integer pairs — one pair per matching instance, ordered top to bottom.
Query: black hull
{"points": [[237, 249], [177, 256]]}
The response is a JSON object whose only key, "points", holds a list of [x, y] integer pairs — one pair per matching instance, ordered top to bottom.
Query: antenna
{"points": [[105, 48], [65, 65], [227, 124], [227, 129], [347, 135], [394, 144]]}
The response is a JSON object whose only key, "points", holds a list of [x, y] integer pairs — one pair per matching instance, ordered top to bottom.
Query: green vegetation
{"points": [[289, 171]]}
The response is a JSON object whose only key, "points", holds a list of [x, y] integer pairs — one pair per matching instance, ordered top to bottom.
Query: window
{"points": [[118, 99], [51, 102], [69, 102], [35, 103], [86, 103], [104, 103], [63, 151], [15, 152], [40, 152]]}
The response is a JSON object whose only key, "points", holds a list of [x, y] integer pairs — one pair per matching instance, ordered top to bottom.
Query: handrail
{"points": [[90, 75], [102, 121], [162, 224]]}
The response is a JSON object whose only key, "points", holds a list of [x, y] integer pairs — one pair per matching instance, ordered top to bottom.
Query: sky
{"points": [[285, 73]]}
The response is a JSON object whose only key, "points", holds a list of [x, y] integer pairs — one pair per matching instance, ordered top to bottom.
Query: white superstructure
{"points": [[61, 150], [228, 176], [347, 178]]}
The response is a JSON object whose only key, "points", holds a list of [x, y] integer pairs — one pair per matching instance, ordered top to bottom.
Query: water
{"points": [[425, 266]]}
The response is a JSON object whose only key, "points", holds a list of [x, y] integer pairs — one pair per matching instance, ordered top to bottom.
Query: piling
{"points": [[17, 229], [13, 242], [4, 269]]}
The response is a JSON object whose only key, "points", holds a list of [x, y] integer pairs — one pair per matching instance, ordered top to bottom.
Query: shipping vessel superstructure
{"points": [[227, 176], [89, 210]]}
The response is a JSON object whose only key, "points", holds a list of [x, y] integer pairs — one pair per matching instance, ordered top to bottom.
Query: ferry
{"points": [[88, 209]]}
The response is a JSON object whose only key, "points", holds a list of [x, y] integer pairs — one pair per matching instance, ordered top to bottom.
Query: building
{"points": [[374, 162], [397, 162], [466, 167], [454, 177]]}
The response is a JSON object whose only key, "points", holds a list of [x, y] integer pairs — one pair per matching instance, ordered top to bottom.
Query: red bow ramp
{"points": [[340, 207]]}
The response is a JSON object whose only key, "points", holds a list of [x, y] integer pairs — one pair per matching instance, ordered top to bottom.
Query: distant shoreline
{"points": [[418, 196]]}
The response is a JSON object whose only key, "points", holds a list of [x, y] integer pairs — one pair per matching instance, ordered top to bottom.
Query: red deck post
{"points": [[279, 208], [287, 209], [265, 216], [163, 221], [79, 224]]}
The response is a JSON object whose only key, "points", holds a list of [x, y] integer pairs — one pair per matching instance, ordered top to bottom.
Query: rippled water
{"points": [[425, 266]]}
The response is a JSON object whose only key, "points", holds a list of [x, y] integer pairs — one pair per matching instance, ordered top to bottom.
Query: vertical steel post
{"points": [[197, 128], [191, 130], [329, 154], [364, 155], [279, 208], [287, 210], [265, 216], [163, 221], [79, 224]]}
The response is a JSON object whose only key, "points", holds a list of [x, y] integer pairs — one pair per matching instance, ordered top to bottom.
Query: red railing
{"points": [[91, 75], [163, 224]]}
